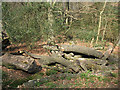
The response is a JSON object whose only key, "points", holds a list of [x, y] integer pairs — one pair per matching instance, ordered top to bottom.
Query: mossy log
{"points": [[20, 62]]}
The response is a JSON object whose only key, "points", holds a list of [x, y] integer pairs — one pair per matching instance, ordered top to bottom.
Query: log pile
{"points": [[71, 58]]}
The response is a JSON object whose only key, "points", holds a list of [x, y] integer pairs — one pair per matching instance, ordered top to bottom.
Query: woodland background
{"points": [[28, 22], [31, 25]]}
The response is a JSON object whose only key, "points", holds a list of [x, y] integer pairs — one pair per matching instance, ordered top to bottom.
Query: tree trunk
{"points": [[100, 18], [51, 22], [82, 50], [20, 62]]}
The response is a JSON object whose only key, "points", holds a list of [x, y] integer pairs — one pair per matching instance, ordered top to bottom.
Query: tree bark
{"points": [[100, 18], [82, 50], [46, 60], [20, 62]]}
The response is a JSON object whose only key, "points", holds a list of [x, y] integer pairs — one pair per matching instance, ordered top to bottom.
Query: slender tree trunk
{"points": [[100, 18], [104, 30], [51, 37]]}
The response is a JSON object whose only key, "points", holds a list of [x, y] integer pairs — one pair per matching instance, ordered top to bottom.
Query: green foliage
{"points": [[27, 22], [22, 23], [51, 72], [4, 74], [85, 74], [114, 74], [38, 75], [62, 77], [69, 78], [99, 78], [106, 79], [40, 83], [51, 85]]}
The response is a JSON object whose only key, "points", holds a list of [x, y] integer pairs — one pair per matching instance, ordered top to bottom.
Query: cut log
{"points": [[82, 50], [20, 62]]}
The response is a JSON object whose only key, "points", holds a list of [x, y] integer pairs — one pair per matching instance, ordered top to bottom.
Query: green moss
{"points": [[51, 72], [114, 74], [4, 75], [38, 75], [84, 75], [62, 78], [69, 78], [99, 78], [106, 79], [116, 81], [39, 83], [51, 85]]}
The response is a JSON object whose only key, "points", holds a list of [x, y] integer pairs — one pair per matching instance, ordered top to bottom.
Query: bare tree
{"points": [[100, 19], [51, 21]]}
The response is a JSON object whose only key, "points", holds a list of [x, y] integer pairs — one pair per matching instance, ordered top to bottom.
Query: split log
{"points": [[82, 50], [20, 62]]}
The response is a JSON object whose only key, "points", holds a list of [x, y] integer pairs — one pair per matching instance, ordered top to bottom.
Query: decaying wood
{"points": [[82, 50], [90, 52], [108, 52], [69, 56], [55, 59], [20, 62], [72, 62], [93, 64]]}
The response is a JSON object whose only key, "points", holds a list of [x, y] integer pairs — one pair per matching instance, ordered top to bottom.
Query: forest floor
{"points": [[13, 78]]}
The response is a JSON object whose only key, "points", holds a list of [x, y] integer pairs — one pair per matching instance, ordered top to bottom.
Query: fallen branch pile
{"points": [[71, 58]]}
